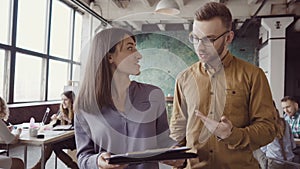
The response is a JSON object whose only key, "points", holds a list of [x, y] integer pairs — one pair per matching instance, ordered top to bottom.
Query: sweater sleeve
{"points": [[5, 134], [86, 154]]}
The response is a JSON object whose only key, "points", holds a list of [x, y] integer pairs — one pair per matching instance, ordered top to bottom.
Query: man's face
{"points": [[209, 30], [289, 107]]}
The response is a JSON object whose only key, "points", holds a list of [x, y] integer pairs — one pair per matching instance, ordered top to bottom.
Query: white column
{"points": [[272, 56]]}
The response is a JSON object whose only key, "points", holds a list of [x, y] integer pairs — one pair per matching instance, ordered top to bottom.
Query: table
{"points": [[50, 137]]}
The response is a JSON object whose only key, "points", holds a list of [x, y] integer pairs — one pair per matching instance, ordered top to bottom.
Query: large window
{"points": [[5, 13], [31, 28], [60, 30], [40, 47], [1, 71], [4, 72], [58, 77], [28, 78]]}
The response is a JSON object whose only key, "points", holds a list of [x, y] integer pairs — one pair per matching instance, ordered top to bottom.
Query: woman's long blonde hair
{"points": [[4, 111]]}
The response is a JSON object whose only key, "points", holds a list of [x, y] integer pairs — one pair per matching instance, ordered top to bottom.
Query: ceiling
{"points": [[139, 15]]}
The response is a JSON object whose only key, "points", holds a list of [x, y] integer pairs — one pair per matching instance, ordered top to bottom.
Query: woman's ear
{"points": [[110, 58]]}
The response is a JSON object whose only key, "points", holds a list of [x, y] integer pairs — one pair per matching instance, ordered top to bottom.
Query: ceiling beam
{"points": [[122, 3], [150, 3]]}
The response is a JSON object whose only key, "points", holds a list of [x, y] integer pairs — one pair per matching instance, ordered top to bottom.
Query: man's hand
{"points": [[220, 129], [174, 163]]}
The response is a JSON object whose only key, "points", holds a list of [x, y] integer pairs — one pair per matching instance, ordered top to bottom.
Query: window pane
{"points": [[5, 21], [31, 30], [60, 30], [77, 36], [2, 56], [76, 72], [58, 77], [28, 78]]}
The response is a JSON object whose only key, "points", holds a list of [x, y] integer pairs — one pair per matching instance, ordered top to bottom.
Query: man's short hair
{"points": [[211, 10], [291, 98]]}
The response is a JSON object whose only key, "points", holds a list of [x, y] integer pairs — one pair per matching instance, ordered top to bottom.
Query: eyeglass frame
{"points": [[211, 40]]}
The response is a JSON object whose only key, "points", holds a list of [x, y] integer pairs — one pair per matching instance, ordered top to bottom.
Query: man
{"points": [[222, 105], [290, 107]]}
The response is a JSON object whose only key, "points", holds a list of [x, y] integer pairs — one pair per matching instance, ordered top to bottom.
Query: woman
{"points": [[4, 112], [66, 113], [115, 115], [65, 116], [8, 138], [280, 148]]}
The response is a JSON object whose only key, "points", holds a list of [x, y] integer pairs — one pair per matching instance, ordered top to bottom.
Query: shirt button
{"points": [[233, 92], [211, 93], [210, 112], [211, 151]]}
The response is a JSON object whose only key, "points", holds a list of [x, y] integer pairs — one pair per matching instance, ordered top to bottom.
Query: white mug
{"points": [[33, 132]]}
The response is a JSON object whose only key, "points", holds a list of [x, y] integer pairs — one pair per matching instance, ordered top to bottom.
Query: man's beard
{"points": [[221, 49], [215, 56]]}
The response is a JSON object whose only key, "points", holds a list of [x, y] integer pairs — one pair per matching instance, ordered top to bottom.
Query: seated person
{"points": [[290, 107], [4, 112], [64, 116], [9, 138], [280, 148]]}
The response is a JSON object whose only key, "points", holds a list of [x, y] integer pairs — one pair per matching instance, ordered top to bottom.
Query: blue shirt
{"points": [[294, 123], [273, 149]]}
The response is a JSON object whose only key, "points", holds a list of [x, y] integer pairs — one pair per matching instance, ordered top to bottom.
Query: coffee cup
{"points": [[33, 132]]}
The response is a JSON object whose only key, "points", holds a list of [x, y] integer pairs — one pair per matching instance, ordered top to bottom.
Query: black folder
{"points": [[152, 155]]}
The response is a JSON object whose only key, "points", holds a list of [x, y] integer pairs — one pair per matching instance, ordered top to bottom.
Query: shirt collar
{"points": [[225, 62], [296, 115]]}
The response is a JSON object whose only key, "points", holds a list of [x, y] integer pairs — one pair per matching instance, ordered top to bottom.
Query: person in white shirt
{"points": [[8, 138]]}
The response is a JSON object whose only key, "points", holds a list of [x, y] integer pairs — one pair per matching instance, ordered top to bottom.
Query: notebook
{"points": [[63, 127], [152, 155]]}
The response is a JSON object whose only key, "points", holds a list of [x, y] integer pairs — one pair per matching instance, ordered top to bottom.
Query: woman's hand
{"points": [[54, 117], [10, 128], [17, 136], [103, 163], [174, 163]]}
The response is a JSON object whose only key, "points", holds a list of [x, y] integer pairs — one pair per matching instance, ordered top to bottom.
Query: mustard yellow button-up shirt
{"points": [[238, 90]]}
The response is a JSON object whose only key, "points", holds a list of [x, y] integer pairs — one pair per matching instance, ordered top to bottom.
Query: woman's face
{"points": [[126, 57], [66, 102]]}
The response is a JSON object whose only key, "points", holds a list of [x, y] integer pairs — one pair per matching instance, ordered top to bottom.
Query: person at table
{"points": [[291, 110], [4, 112], [115, 115], [64, 116], [8, 138], [280, 148]]}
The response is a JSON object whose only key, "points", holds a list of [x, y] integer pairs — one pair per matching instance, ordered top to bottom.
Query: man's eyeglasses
{"points": [[205, 41]]}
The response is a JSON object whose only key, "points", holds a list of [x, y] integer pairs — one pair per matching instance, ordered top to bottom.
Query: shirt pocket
{"points": [[236, 107]]}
